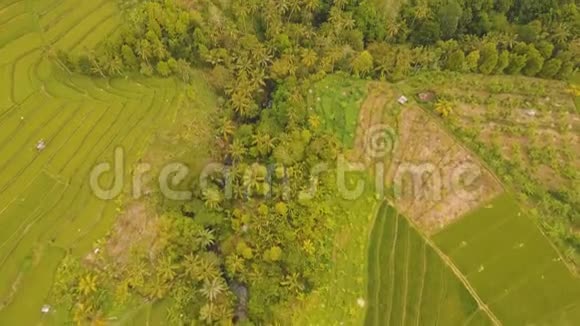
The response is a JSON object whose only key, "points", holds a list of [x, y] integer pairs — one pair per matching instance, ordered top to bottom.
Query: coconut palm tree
{"points": [[311, 5], [144, 50], [309, 57], [95, 64], [114, 65], [444, 108], [225, 128], [264, 143], [237, 150], [212, 198], [205, 238], [234, 264], [191, 266], [167, 269], [208, 270], [292, 282], [87, 284], [212, 289], [81, 313], [209, 313]]}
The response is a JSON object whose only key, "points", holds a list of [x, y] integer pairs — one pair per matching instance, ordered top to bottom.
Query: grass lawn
{"points": [[337, 100]]}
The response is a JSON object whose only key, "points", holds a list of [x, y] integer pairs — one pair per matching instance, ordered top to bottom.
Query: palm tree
{"points": [[294, 5], [311, 5], [422, 11], [393, 28], [560, 33], [144, 50], [159, 50], [53, 54], [309, 57], [95, 64], [114, 65], [241, 102], [444, 108], [226, 127], [264, 143], [237, 150], [212, 198], [205, 238], [234, 264], [191, 265], [167, 269], [207, 270], [292, 282], [87, 284], [158, 289], [213, 289], [81, 313], [208, 313], [224, 313]]}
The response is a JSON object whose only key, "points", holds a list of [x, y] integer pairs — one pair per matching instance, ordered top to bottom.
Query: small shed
{"points": [[427, 96], [403, 100], [531, 113], [40, 145], [45, 309]]}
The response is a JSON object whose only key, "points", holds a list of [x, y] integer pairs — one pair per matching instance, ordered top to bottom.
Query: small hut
{"points": [[427, 96], [40, 145]]}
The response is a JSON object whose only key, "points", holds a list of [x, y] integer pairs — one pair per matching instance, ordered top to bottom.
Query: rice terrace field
{"points": [[46, 208], [409, 284]]}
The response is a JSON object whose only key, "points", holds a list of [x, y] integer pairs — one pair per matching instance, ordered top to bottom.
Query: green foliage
{"points": [[449, 16], [489, 59], [456, 61], [472, 61], [517, 63], [534, 63], [362, 64], [551, 68]]}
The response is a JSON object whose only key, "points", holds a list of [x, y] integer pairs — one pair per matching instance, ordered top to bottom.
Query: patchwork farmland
{"points": [[46, 206], [494, 264], [409, 284]]}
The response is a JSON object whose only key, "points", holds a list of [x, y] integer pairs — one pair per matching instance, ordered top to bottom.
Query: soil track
{"points": [[371, 114]]}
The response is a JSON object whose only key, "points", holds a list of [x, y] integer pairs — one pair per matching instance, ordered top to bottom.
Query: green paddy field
{"points": [[496, 250], [512, 266], [409, 283]]}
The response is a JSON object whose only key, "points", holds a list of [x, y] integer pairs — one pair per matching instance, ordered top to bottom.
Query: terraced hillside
{"points": [[46, 205], [512, 266], [409, 283]]}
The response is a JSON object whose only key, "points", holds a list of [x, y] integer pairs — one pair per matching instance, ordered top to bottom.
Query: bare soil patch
{"points": [[436, 180]]}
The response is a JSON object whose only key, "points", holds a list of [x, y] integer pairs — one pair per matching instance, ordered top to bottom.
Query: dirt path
{"points": [[371, 114]]}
